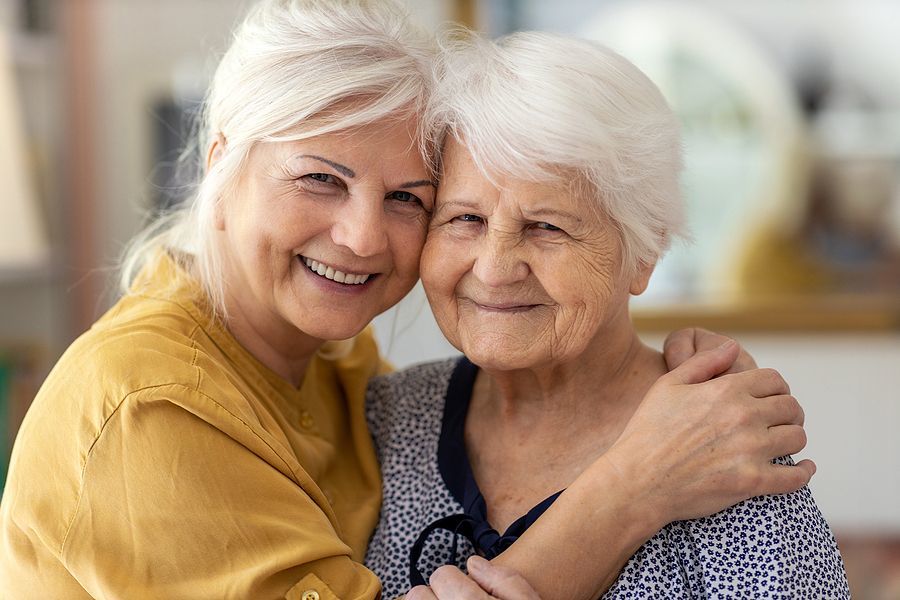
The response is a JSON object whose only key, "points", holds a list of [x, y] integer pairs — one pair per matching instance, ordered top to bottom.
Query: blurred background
{"points": [[791, 117]]}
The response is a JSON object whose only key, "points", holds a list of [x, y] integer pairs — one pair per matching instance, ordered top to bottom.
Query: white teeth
{"points": [[333, 274]]}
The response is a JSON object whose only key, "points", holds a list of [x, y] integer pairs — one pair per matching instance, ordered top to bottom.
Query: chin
{"points": [[329, 332], [494, 359]]}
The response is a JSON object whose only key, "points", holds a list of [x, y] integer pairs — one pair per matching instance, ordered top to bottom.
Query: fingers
{"points": [[682, 344], [678, 347], [743, 363], [705, 365], [761, 383], [782, 409], [786, 439], [808, 466], [783, 479], [449, 582], [500, 582], [420, 592]]}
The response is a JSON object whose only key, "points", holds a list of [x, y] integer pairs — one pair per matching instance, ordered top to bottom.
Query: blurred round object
{"points": [[746, 146]]}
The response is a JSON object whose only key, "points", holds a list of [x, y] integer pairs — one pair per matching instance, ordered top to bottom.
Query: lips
{"points": [[329, 272], [504, 307]]}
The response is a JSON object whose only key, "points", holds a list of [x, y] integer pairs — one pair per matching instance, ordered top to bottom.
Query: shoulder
{"points": [[142, 352], [123, 353], [431, 376], [417, 387], [408, 404], [780, 544], [767, 546]]}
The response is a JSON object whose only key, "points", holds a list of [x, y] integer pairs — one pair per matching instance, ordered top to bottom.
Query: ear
{"points": [[216, 150], [219, 215], [641, 278]]}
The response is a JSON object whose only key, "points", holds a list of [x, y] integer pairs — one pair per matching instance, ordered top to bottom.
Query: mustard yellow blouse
{"points": [[161, 460]]}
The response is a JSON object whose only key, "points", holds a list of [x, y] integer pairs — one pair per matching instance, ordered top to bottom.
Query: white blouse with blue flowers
{"points": [[433, 513]]}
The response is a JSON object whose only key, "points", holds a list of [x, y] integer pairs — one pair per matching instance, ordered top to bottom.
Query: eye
{"points": [[321, 177], [402, 196], [469, 218], [546, 226]]}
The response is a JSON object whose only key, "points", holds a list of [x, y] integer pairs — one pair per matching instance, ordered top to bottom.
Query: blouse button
{"points": [[306, 422], [310, 595]]}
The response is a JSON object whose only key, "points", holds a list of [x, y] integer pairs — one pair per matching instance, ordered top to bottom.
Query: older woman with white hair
{"points": [[559, 193], [207, 437]]}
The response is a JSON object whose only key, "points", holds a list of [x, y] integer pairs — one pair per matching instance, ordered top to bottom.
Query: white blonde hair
{"points": [[295, 69], [545, 107]]}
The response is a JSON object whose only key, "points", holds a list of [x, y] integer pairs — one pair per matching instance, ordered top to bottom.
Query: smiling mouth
{"points": [[333, 274], [505, 308]]}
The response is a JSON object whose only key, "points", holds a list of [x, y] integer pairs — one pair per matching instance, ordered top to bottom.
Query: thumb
{"points": [[705, 365], [500, 582]]}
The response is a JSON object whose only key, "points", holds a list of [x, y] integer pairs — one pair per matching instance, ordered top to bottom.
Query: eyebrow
{"points": [[345, 171], [418, 183], [447, 204], [552, 212]]}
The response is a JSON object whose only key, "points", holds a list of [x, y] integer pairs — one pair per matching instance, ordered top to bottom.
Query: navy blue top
{"points": [[456, 471]]}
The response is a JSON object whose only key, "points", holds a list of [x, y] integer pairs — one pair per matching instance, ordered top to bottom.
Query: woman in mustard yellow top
{"points": [[206, 437]]}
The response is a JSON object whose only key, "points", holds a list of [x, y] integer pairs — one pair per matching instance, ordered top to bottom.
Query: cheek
{"points": [[407, 242], [426, 263], [439, 267], [440, 274], [579, 282]]}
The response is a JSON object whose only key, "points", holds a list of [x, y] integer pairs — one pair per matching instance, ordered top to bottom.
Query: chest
{"points": [[517, 471]]}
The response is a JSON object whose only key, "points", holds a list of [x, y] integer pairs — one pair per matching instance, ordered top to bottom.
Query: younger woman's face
{"points": [[321, 235]]}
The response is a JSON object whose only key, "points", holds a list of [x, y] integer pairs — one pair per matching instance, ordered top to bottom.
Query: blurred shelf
{"points": [[851, 313]]}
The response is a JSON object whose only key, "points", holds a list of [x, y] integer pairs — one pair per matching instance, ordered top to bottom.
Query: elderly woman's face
{"points": [[323, 234], [524, 274]]}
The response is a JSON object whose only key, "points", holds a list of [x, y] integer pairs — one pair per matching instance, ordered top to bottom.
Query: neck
{"points": [[284, 350], [607, 379], [558, 419]]}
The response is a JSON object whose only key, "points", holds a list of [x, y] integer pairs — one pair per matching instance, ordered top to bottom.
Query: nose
{"points": [[360, 226], [500, 261]]}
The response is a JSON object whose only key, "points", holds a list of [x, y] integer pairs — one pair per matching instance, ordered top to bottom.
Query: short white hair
{"points": [[295, 69], [546, 107]]}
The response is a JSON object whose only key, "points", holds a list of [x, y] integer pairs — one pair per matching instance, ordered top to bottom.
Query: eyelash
{"points": [[320, 179], [325, 179], [410, 198], [468, 218], [542, 225], [549, 227]]}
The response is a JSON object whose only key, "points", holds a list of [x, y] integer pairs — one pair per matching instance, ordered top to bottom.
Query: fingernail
{"points": [[727, 345], [476, 563]]}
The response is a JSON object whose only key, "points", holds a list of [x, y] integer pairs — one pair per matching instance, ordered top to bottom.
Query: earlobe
{"points": [[216, 150], [214, 154], [219, 215], [641, 278]]}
